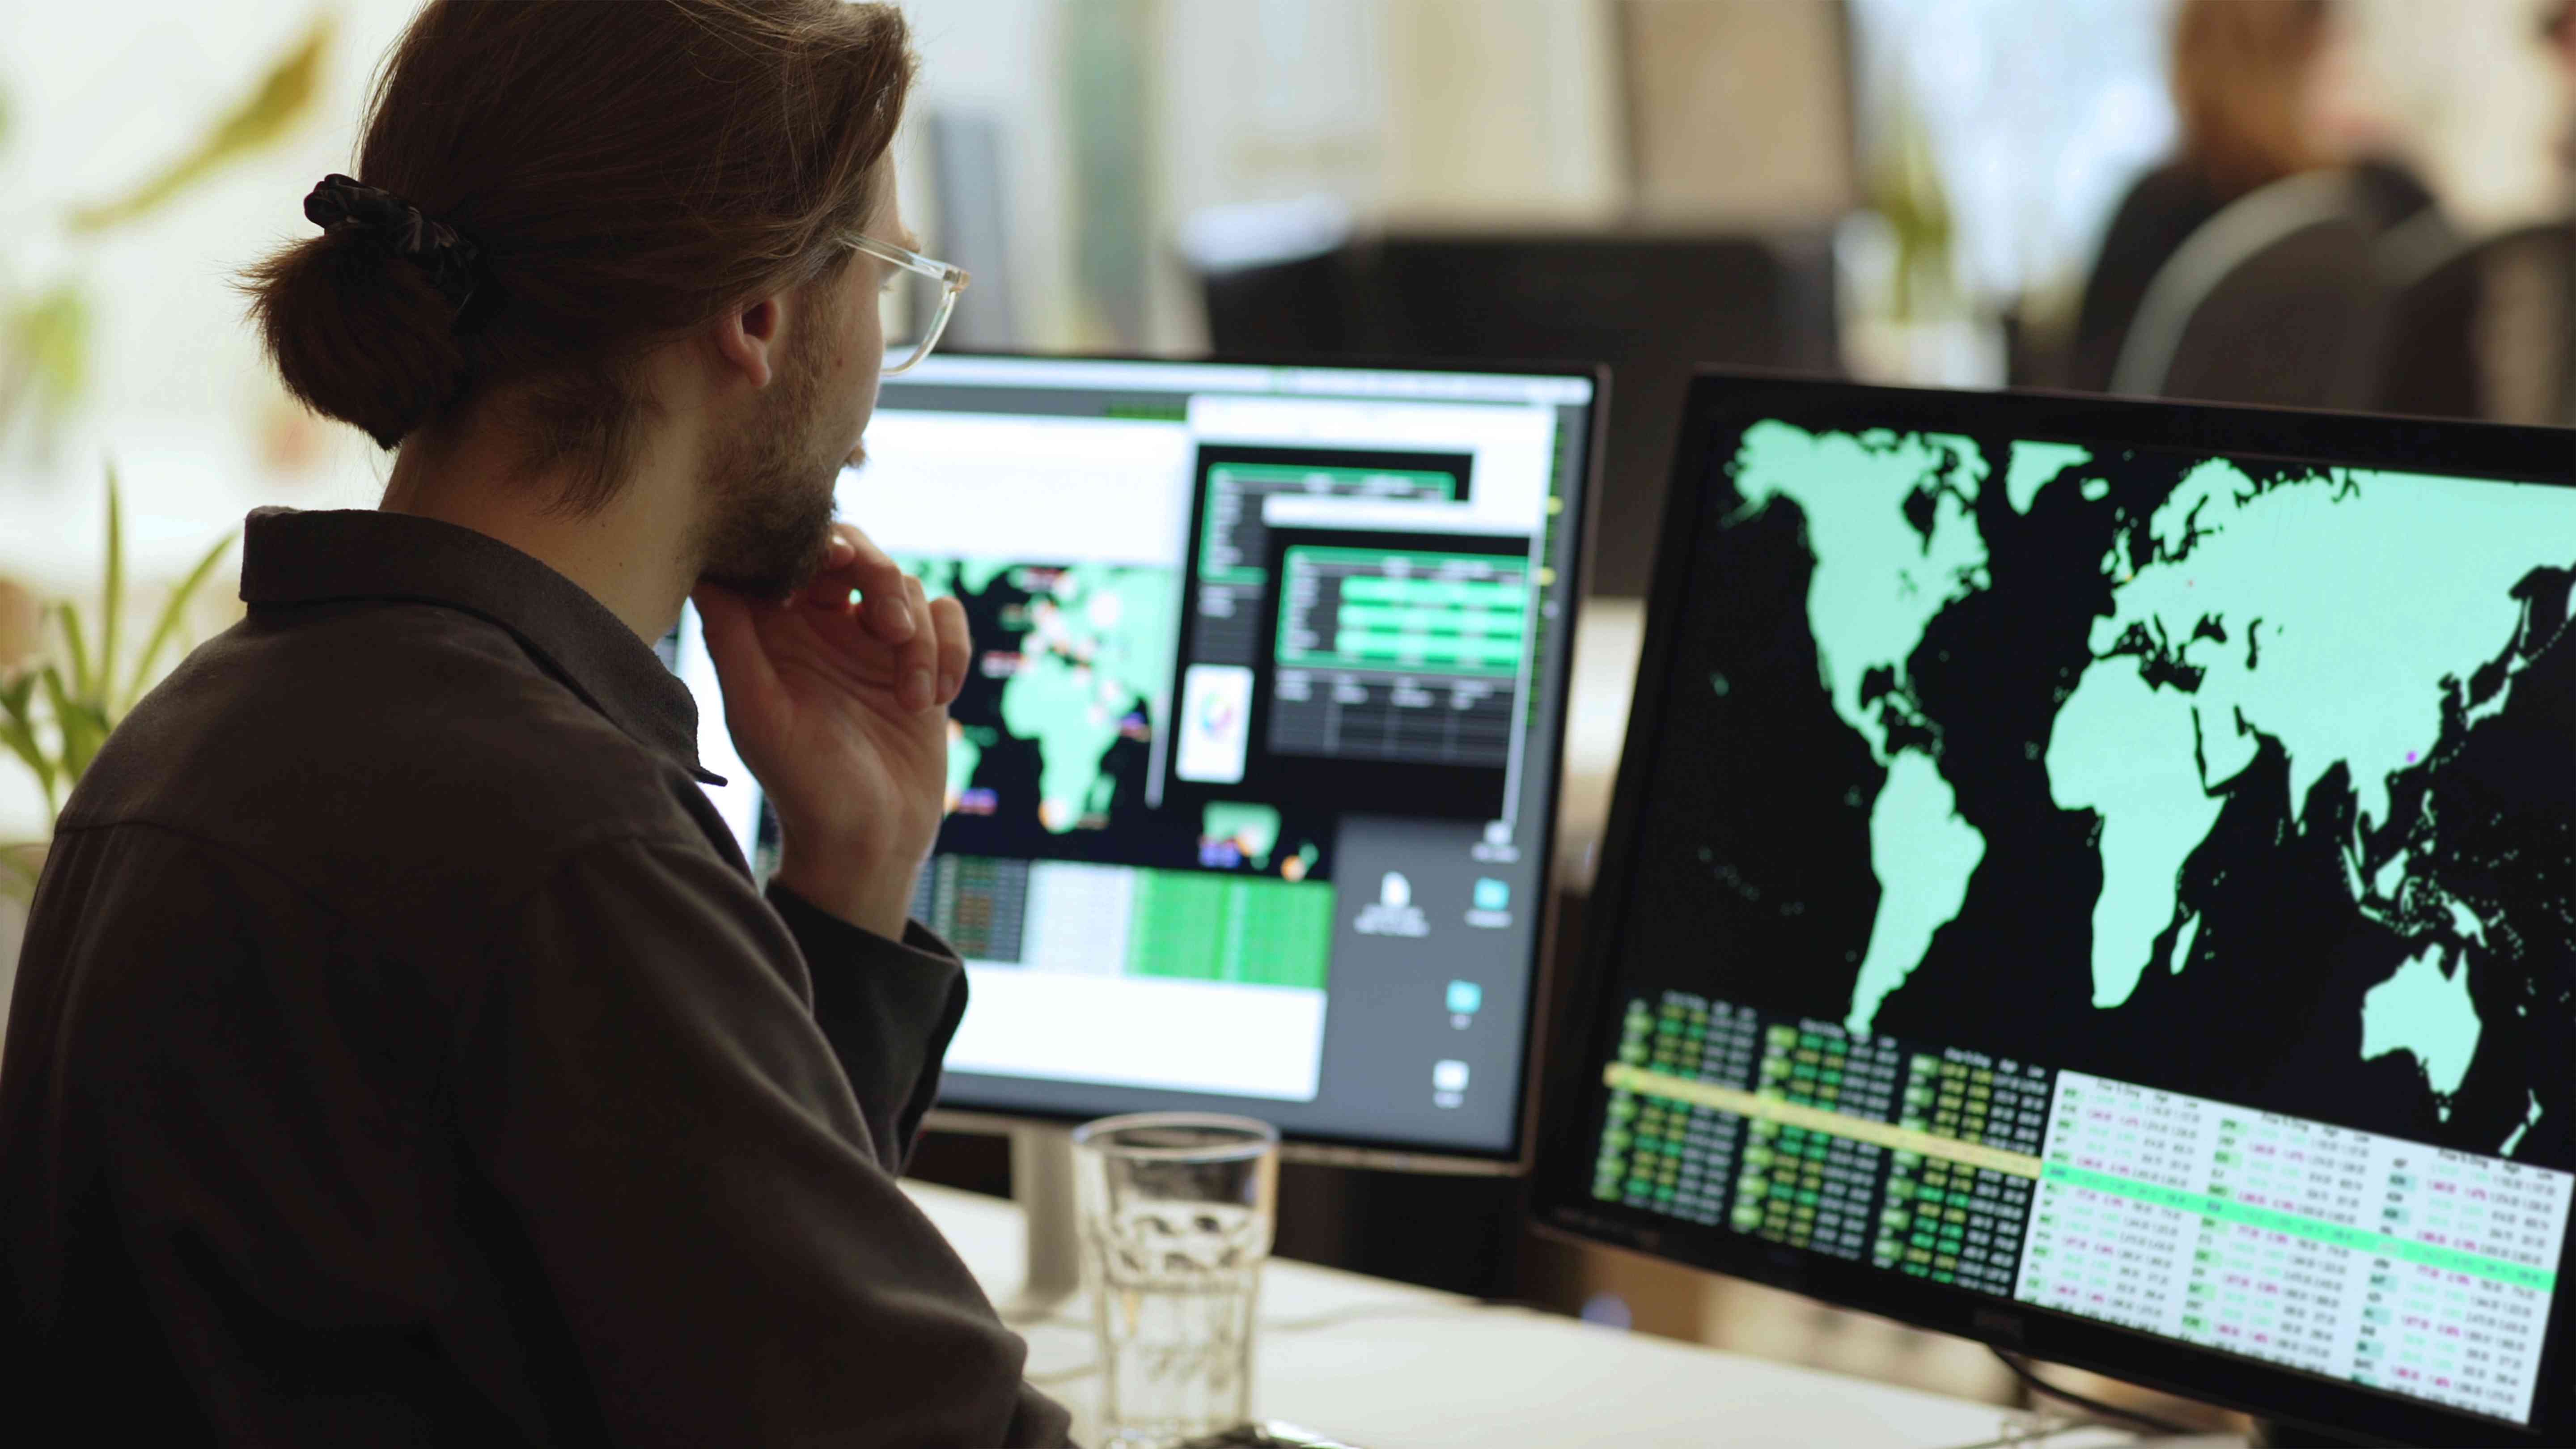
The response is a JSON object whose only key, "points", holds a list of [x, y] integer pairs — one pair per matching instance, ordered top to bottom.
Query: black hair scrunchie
{"points": [[450, 259]]}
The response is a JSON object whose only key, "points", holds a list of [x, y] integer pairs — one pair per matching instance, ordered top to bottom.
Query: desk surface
{"points": [[1391, 1366]]}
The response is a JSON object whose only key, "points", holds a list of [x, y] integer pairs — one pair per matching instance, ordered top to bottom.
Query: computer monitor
{"points": [[1252, 781], [2096, 877]]}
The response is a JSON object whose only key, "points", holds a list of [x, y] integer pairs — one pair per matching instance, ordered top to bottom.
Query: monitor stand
{"points": [[1042, 1184], [2271, 1435]]}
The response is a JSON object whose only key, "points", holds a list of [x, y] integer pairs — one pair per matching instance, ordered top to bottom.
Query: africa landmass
{"points": [[1083, 655]]}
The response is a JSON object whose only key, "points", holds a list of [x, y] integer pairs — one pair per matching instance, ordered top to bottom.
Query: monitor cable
{"points": [[2097, 1407]]}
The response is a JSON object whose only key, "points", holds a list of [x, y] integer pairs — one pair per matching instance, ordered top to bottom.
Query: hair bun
{"points": [[577, 219], [448, 257], [356, 338]]}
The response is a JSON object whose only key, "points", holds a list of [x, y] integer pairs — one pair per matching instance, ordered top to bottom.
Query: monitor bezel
{"points": [[1368, 1152], [1561, 1203]]}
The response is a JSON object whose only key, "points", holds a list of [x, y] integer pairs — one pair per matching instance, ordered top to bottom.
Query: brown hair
{"points": [[2240, 75], [626, 171]]}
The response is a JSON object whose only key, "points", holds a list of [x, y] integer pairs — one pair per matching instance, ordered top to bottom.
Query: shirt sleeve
{"points": [[888, 1010], [644, 1081]]}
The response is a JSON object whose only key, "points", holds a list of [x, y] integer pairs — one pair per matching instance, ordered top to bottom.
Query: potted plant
{"points": [[56, 711]]}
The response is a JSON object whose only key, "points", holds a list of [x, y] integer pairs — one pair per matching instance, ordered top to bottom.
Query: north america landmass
{"points": [[2140, 743]]}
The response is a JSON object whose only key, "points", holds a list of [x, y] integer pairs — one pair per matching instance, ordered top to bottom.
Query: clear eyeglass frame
{"points": [[951, 280]]}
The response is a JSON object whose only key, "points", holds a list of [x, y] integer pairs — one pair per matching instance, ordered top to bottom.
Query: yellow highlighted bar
{"points": [[1623, 1077]]}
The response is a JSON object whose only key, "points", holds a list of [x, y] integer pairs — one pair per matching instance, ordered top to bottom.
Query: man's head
{"points": [[2245, 87], [657, 194], [786, 413]]}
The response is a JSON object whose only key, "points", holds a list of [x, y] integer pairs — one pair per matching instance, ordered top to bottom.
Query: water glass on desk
{"points": [[1177, 1210]]}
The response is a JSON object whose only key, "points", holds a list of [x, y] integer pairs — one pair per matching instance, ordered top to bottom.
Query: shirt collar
{"points": [[294, 556]]}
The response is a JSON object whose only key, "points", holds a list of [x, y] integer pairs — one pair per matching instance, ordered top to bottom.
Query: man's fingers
{"points": [[852, 561], [832, 583], [893, 611], [732, 641], [956, 645], [917, 662]]}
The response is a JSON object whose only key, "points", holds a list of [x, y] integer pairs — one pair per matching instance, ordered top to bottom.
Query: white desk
{"points": [[1416, 1369]]}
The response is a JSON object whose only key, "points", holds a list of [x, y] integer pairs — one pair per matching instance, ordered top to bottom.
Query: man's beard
{"points": [[770, 523]]}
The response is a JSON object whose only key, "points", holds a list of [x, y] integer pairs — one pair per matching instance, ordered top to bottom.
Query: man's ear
{"points": [[748, 338]]}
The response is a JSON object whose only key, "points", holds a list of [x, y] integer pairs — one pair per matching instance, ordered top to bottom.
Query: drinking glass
{"points": [[1176, 1222]]}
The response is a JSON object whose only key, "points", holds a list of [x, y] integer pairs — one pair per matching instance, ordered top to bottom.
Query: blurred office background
{"points": [[1905, 190]]}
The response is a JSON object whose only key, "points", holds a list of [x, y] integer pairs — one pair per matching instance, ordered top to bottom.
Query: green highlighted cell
{"points": [[1259, 479], [1340, 482], [1434, 591], [1449, 613], [1208, 927], [2316, 1230]]}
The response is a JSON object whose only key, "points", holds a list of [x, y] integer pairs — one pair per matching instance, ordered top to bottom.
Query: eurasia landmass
{"points": [[2361, 624]]}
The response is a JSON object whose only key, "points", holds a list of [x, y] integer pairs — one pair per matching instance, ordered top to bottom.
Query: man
{"points": [[2558, 33], [401, 1053]]}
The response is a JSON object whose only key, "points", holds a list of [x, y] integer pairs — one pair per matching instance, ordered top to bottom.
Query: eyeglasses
{"points": [[916, 301]]}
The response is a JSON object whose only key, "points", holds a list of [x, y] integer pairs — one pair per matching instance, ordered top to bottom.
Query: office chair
{"points": [[2275, 300], [2482, 327]]}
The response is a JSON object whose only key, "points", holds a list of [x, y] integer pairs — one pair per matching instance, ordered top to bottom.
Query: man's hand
{"points": [[841, 711]]}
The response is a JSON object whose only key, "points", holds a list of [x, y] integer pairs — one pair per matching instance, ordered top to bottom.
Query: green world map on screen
{"points": [[2345, 618], [1093, 648]]}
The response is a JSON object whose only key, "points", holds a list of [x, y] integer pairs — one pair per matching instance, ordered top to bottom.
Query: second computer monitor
{"points": [[1250, 784], [2095, 877]]}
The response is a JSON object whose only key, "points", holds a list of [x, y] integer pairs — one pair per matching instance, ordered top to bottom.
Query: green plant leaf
{"points": [[282, 98], [44, 350], [114, 604], [168, 623], [78, 646], [58, 699], [82, 725], [18, 728], [18, 731], [94, 731], [21, 740], [17, 876]]}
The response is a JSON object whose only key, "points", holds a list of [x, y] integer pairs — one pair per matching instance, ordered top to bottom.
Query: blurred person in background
{"points": [[2558, 32], [2263, 89], [402, 1052]]}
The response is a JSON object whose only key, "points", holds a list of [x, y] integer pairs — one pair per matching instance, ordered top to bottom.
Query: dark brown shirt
{"points": [[401, 1054]]}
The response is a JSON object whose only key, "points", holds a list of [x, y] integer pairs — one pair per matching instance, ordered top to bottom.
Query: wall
{"points": [[2480, 102], [1738, 112]]}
